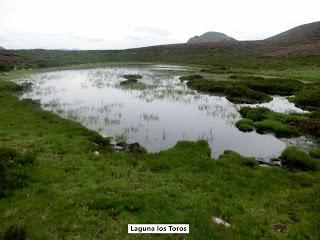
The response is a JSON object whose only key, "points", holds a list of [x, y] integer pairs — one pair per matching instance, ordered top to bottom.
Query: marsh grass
{"points": [[132, 77], [190, 77], [132, 84], [271, 85], [237, 93], [308, 97], [149, 117], [266, 121], [245, 125], [276, 127], [296, 159], [15, 169], [74, 194]]}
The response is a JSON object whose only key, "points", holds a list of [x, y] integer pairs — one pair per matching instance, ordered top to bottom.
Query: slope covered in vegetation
{"points": [[71, 192]]}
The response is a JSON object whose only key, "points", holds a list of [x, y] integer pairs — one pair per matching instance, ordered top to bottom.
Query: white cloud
{"points": [[114, 24]]}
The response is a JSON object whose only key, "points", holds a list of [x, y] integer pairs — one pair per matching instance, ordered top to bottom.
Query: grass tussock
{"points": [[132, 77], [131, 82], [272, 86], [236, 93], [308, 97], [267, 121], [245, 125], [311, 125], [276, 127], [296, 159], [15, 169]]}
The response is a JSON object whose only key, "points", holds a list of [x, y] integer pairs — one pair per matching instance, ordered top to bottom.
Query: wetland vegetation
{"points": [[92, 141], [79, 193]]}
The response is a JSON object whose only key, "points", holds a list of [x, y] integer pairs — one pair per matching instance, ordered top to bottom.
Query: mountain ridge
{"points": [[309, 32]]}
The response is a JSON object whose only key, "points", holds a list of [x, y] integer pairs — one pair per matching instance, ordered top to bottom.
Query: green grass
{"points": [[242, 58], [238, 85], [270, 85], [10, 86], [246, 88], [234, 92], [243, 94], [308, 98], [255, 114], [281, 124], [245, 125], [276, 127], [294, 158], [15, 169], [71, 192]]}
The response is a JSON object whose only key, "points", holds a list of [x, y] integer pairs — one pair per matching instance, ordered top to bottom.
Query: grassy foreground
{"points": [[68, 192]]}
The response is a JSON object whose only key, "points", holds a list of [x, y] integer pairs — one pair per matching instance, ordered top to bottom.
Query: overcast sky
{"points": [[118, 24]]}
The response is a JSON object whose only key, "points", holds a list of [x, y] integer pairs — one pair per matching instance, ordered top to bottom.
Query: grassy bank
{"points": [[264, 120], [68, 191]]}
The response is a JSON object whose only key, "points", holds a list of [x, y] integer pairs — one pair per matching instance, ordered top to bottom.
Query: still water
{"points": [[157, 113]]}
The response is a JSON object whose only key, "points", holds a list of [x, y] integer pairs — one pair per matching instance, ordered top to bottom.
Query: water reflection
{"points": [[157, 116]]}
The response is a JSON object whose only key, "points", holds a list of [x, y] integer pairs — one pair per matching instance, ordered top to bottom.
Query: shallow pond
{"points": [[157, 113]]}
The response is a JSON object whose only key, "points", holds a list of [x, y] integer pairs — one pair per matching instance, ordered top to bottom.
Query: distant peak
{"points": [[210, 37]]}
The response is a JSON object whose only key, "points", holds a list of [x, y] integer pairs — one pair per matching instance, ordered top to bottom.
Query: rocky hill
{"points": [[210, 37]]}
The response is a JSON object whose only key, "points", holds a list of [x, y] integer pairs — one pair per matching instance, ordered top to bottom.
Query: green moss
{"points": [[245, 125], [295, 158]]}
